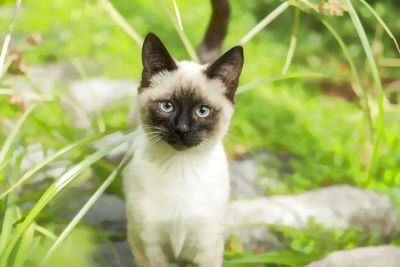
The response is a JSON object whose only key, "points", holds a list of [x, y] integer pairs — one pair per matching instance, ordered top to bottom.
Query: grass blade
{"points": [[178, 16], [117, 17], [263, 23], [382, 23], [7, 38], [293, 41], [189, 48], [377, 80], [251, 85], [360, 90], [14, 132], [29, 174], [56, 187], [82, 212], [10, 215], [45, 232], [24, 246], [273, 257]]}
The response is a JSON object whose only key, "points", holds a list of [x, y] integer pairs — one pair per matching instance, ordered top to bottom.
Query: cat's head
{"points": [[185, 104]]}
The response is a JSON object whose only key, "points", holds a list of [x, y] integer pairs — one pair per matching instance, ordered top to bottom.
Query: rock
{"points": [[98, 92], [243, 174], [246, 180], [339, 206], [107, 213], [124, 252], [381, 256]]}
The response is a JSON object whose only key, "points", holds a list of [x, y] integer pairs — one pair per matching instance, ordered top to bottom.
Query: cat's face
{"points": [[185, 104]]}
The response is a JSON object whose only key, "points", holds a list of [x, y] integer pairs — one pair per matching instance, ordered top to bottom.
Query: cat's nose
{"points": [[182, 130]]}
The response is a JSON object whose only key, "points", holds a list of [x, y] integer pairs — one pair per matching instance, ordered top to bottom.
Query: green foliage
{"points": [[301, 246]]}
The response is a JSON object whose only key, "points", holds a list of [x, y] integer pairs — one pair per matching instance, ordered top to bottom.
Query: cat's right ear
{"points": [[155, 58]]}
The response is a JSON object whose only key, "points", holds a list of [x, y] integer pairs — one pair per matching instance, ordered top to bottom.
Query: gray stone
{"points": [[98, 92], [243, 174], [246, 181], [339, 206], [108, 212], [124, 253], [381, 256]]}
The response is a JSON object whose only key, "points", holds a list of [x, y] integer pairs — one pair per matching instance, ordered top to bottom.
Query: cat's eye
{"points": [[166, 106], [203, 111]]}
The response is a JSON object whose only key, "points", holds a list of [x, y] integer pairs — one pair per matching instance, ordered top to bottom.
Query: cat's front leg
{"points": [[146, 247], [210, 254], [150, 256], [156, 256]]}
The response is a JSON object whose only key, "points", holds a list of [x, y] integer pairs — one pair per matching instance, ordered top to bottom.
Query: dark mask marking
{"points": [[181, 128]]}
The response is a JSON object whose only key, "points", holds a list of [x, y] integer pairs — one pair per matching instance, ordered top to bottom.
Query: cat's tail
{"points": [[211, 45]]}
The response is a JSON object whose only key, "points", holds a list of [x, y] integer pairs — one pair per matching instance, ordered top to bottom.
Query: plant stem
{"points": [[263, 23], [7, 38], [293, 41]]}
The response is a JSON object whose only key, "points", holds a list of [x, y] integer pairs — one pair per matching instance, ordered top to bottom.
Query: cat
{"points": [[177, 184]]}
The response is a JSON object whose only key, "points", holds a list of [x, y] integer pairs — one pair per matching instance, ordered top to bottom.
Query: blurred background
{"points": [[314, 144]]}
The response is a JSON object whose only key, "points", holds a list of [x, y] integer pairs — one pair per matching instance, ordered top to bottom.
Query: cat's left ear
{"points": [[155, 58], [227, 68]]}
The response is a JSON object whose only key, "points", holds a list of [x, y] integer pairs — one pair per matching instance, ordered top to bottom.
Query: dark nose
{"points": [[182, 129]]}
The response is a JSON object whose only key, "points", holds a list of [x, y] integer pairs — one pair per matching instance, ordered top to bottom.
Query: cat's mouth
{"points": [[180, 144]]}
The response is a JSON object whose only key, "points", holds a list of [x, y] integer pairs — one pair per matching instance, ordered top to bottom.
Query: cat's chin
{"points": [[180, 146]]}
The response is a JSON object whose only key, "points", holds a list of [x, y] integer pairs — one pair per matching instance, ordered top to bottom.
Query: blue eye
{"points": [[166, 106], [203, 111]]}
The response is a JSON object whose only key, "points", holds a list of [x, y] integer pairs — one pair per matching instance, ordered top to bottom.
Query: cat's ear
{"points": [[155, 58], [227, 68]]}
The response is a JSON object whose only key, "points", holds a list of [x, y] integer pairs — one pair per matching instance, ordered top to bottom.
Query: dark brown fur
{"points": [[155, 58], [228, 68], [168, 125]]}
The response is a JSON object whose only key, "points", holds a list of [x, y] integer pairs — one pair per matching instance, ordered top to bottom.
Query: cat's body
{"points": [[177, 184], [176, 202]]}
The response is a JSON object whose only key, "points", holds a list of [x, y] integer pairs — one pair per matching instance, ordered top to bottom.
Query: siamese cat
{"points": [[177, 184]]}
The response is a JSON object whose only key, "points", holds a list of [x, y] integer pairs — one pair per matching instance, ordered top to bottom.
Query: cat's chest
{"points": [[181, 186]]}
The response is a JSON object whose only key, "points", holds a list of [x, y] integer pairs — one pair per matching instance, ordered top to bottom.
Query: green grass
{"points": [[315, 139]]}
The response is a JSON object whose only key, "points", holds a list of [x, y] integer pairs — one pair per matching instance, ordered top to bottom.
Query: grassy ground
{"points": [[315, 127]]}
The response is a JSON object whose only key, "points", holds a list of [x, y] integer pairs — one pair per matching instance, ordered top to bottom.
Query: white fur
{"points": [[176, 200]]}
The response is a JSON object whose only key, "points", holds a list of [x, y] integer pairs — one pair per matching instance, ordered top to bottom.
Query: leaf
{"points": [[335, 7], [264, 22], [383, 24], [181, 33], [378, 84], [251, 85], [361, 89], [14, 132], [29, 174], [56, 187], [82, 212], [10, 215], [24, 246], [282, 257]]}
